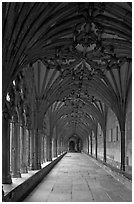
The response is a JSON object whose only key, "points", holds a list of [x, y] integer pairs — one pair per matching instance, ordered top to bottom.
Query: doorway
{"points": [[72, 146]]}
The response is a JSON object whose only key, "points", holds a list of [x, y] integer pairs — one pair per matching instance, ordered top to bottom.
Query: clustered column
{"points": [[15, 156]]}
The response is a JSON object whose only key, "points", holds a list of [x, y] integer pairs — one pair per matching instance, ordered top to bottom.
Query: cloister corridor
{"points": [[66, 101]]}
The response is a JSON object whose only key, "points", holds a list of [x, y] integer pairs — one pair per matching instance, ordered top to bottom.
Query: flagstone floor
{"points": [[78, 178]]}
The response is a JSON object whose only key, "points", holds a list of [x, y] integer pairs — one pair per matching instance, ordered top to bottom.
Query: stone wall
{"points": [[113, 138]]}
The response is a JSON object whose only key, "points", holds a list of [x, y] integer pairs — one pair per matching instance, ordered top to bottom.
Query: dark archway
{"points": [[75, 144], [72, 146]]}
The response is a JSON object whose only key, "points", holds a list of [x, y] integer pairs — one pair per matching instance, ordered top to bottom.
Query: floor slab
{"points": [[77, 178]]}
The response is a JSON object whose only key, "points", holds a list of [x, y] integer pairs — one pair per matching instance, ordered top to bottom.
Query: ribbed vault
{"points": [[74, 59]]}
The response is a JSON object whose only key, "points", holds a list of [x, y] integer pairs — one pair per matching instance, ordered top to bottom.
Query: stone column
{"points": [[38, 141], [96, 143], [30, 144], [88, 144], [91, 144], [104, 145], [123, 145], [27, 146], [55, 147], [59, 147], [49, 148], [29, 149], [33, 149], [43, 149], [16, 150], [24, 150], [36, 150], [6, 177]]}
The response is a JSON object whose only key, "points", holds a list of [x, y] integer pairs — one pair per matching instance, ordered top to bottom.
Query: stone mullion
{"points": [[6, 177]]}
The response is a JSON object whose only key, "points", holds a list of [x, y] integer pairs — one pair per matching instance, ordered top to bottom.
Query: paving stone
{"points": [[76, 178]]}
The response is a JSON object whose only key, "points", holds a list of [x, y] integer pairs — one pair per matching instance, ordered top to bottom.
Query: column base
{"points": [[49, 159], [36, 166], [123, 168], [24, 169], [16, 175], [7, 179]]}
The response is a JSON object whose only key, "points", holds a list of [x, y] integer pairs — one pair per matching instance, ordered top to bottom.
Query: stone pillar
{"points": [[11, 136], [30, 136], [39, 137], [96, 143], [42, 144], [88, 144], [91, 144], [104, 145], [123, 145], [55, 147], [59, 147], [29, 148], [42, 148], [45, 148], [49, 148], [33, 149], [24, 150], [36, 150], [16, 151], [43, 152], [6, 177]]}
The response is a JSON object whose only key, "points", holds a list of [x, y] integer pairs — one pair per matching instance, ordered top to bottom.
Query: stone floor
{"points": [[77, 178]]}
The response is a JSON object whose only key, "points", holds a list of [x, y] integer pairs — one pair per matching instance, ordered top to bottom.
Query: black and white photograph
{"points": [[66, 101]]}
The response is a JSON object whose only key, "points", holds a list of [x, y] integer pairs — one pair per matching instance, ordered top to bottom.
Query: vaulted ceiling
{"points": [[75, 58]]}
